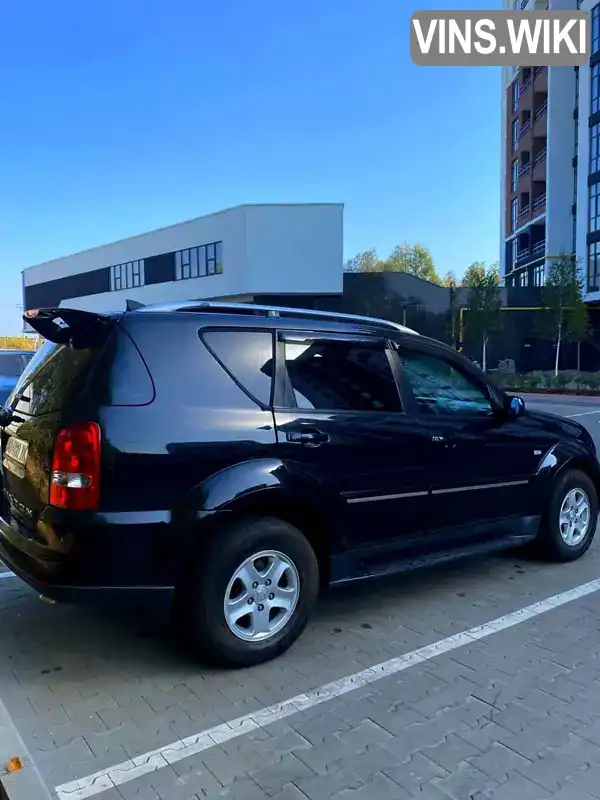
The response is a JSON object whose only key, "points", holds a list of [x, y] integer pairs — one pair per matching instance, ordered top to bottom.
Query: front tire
{"points": [[569, 527], [251, 594]]}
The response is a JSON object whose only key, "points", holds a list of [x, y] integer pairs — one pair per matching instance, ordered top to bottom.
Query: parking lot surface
{"points": [[110, 709]]}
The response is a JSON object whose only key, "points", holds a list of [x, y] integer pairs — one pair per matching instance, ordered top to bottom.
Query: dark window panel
{"points": [[159, 269], [50, 293]]}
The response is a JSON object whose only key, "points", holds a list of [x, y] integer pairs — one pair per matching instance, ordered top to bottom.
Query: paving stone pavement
{"points": [[515, 715]]}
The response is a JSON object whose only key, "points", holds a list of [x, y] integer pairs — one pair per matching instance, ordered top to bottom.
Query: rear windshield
{"points": [[11, 365], [113, 373], [51, 374]]}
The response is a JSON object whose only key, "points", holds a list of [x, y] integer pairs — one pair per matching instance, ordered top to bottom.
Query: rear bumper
{"points": [[44, 570]]}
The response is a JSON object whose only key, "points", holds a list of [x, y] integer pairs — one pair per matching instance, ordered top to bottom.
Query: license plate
{"points": [[17, 450], [15, 456]]}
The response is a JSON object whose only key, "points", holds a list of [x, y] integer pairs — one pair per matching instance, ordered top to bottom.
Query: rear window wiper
{"points": [[21, 396], [7, 416]]}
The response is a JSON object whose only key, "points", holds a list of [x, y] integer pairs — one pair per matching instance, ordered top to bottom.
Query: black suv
{"points": [[232, 459]]}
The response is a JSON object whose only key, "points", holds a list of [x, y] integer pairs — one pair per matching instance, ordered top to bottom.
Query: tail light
{"points": [[75, 476]]}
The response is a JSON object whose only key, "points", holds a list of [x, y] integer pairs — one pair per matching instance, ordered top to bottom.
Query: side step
{"points": [[375, 568]]}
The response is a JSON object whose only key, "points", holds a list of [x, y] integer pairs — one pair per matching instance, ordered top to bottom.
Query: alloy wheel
{"points": [[574, 517], [262, 596]]}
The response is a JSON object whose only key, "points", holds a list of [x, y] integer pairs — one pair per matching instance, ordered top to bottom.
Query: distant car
{"points": [[12, 364], [234, 458]]}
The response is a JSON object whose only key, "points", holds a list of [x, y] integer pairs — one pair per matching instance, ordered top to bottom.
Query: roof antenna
{"points": [[133, 305]]}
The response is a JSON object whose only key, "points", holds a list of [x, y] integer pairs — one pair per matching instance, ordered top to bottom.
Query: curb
{"points": [[580, 393], [551, 395], [25, 783]]}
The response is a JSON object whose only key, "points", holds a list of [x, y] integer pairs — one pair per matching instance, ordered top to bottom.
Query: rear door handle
{"points": [[310, 438], [442, 441]]}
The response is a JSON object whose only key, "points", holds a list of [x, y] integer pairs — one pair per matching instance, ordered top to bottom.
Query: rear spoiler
{"points": [[69, 325]]}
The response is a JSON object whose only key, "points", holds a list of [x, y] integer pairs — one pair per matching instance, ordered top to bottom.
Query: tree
{"points": [[414, 259], [364, 262], [475, 274], [450, 280], [562, 296], [484, 303], [578, 324], [18, 342]]}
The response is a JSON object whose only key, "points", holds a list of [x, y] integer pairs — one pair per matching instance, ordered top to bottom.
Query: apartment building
{"points": [[587, 114], [539, 164]]}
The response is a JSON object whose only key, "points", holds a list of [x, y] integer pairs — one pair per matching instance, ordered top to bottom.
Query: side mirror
{"points": [[513, 406]]}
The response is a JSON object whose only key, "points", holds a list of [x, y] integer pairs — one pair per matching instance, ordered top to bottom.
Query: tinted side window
{"points": [[247, 356], [331, 375], [120, 377], [439, 388]]}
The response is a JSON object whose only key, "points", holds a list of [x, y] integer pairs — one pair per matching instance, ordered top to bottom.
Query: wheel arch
{"points": [[585, 465], [259, 488], [299, 512]]}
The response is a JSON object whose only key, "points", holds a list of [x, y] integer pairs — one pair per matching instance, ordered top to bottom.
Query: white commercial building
{"points": [[268, 253]]}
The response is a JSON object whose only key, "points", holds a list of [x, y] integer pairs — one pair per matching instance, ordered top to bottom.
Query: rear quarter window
{"points": [[247, 356], [56, 371], [121, 377]]}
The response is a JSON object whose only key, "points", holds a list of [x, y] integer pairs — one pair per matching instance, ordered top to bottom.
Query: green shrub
{"points": [[592, 380]]}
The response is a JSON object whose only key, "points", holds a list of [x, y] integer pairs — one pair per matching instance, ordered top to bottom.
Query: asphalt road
{"points": [[584, 409], [465, 682]]}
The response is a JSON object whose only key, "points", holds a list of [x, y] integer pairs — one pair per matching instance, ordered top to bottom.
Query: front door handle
{"points": [[312, 438]]}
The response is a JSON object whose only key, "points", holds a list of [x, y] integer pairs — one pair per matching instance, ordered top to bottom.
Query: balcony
{"points": [[540, 80], [526, 93], [541, 110], [540, 121], [525, 134], [539, 166], [525, 169], [539, 204], [524, 213], [538, 249], [528, 254]]}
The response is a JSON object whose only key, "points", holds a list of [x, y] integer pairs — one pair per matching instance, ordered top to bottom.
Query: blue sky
{"points": [[119, 117]]}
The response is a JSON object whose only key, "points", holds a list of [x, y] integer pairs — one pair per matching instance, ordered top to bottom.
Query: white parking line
{"points": [[583, 414], [5, 575], [113, 777]]}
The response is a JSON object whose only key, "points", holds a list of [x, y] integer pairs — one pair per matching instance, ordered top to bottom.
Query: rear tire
{"points": [[569, 526], [219, 609]]}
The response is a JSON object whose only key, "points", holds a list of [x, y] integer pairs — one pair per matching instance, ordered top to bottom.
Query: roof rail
{"points": [[273, 311]]}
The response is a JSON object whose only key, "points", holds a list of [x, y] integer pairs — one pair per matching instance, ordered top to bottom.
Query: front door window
{"points": [[438, 388]]}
